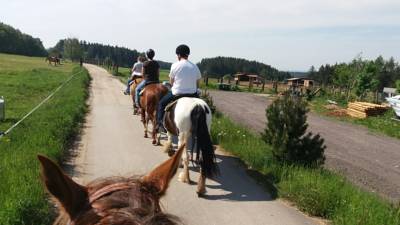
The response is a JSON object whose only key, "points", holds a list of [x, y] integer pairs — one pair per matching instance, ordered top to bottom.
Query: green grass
{"points": [[26, 81], [381, 124], [317, 192]]}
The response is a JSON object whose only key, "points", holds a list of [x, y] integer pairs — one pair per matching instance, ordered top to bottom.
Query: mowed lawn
{"points": [[24, 83]]}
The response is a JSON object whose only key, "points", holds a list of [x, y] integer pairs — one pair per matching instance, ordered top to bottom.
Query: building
{"points": [[251, 78], [300, 82], [389, 92]]}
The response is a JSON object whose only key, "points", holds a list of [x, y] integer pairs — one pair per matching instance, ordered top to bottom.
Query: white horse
{"points": [[192, 120]]}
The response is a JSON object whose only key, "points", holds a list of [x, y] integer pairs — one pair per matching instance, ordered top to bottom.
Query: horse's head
{"points": [[128, 201]]}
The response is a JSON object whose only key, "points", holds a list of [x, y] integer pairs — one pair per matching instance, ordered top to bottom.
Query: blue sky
{"points": [[289, 35]]}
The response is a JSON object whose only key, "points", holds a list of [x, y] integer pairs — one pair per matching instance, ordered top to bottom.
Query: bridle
{"points": [[106, 190]]}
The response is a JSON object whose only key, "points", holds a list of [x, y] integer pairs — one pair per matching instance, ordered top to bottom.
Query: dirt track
{"points": [[112, 144], [370, 160]]}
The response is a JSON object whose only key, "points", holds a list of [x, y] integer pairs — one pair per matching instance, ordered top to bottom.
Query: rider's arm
{"points": [[171, 80]]}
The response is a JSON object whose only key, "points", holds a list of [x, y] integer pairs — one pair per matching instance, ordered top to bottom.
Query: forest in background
{"points": [[13, 41], [220, 66]]}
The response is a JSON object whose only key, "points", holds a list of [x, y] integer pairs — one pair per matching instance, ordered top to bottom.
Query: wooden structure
{"points": [[251, 78], [300, 82], [363, 110]]}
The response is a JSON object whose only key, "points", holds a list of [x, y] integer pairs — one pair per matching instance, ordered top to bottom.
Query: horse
{"points": [[53, 59], [133, 86], [151, 95], [190, 120], [114, 200]]}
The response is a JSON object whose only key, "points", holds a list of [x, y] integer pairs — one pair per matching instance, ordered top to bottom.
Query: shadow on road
{"points": [[236, 184]]}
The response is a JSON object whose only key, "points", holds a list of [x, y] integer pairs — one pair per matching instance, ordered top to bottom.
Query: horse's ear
{"points": [[162, 175], [71, 195]]}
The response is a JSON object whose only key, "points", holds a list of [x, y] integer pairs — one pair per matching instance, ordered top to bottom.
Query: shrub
{"points": [[208, 99], [286, 133]]}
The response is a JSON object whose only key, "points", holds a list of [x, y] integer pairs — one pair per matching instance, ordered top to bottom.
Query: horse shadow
{"points": [[237, 183]]}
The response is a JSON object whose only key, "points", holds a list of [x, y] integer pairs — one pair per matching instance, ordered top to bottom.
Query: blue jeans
{"points": [[128, 87], [139, 88], [169, 97]]}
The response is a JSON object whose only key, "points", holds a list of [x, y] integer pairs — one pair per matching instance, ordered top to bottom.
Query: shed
{"points": [[296, 81], [389, 92]]}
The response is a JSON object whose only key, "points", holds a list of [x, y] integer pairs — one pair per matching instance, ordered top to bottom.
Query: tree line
{"points": [[13, 41], [74, 49], [219, 66], [359, 76]]}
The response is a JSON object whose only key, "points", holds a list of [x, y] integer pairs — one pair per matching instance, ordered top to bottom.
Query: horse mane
{"points": [[138, 205]]}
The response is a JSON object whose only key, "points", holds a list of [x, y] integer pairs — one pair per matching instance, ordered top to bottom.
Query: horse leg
{"points": [[144, 121], [154, 131], [168, 144], [184, 175], [201, 185]]}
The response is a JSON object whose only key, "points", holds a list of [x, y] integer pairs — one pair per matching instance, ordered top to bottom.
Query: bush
{"points": [[208, 99], [286, 133]]}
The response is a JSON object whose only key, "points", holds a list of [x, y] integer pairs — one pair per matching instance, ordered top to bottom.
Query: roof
{"points": [[247, 75], [298, 78], [389, 90]]}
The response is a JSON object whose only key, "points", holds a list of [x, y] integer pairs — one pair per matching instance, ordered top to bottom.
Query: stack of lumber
{"points": [[365, 109]]}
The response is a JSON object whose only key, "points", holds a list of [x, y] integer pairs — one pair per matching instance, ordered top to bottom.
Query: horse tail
{"points": [[204, 145]]}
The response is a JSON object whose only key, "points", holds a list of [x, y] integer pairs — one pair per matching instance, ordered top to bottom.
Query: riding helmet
{"points": [[183, 50], [150, 53]]}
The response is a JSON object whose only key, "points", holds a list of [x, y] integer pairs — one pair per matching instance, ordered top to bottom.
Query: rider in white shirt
{"points": [[184, 77]]}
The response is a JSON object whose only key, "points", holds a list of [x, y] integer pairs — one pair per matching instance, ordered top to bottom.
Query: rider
{"points": [[136, 72], [151, 73], [184, 77]]}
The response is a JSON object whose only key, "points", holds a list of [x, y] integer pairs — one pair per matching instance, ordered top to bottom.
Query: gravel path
{"points": [[112, 144], [369, 160]]}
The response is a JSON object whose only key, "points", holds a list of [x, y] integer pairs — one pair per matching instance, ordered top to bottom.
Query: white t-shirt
{"points": [[137, 69], [185, 75]]}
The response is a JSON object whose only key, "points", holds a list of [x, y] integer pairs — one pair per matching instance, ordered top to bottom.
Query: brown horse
{"points": [[52, 59], [134, 84], [149, 102], [112, 201]]}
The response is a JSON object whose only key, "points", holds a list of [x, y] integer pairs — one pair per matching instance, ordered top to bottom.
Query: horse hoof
{"points": [[145, 136], [154, 142], [171, 153], [201, 194]]}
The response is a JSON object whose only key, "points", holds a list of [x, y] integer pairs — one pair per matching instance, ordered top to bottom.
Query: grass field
{"points": [[24, 82], [381, 124], [317, 192]]}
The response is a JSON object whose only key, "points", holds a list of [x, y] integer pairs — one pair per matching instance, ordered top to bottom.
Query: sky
{"points": [[287, 34]]}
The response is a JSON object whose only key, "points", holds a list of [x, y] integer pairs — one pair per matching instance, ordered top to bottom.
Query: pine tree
{"points": [[286, 132]]}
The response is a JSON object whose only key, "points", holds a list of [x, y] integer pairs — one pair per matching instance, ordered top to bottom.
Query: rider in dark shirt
{"points": [[151, 73]]}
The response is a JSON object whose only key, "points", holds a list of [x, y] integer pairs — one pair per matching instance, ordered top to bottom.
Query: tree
{"points": [[72, 49], [366, 80], [286, 132]]}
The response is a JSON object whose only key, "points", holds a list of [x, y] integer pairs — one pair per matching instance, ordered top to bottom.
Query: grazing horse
{"points": [[53, 59], [133, 86], [151, 95], [190, 119], [111, 201]]}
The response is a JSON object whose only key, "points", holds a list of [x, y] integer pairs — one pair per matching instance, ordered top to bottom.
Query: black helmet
{"points": [[183, 50], [150, 53]]}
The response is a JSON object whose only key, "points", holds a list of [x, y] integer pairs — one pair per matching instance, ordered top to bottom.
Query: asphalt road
{"points": [[112, 144], [368, 159]]}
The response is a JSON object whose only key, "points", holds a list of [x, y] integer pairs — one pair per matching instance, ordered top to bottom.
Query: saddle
{"points": [[169, 116]]}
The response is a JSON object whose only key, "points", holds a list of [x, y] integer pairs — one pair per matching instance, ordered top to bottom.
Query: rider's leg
{"points": [[128, 87], [139, 88], [161, 107]]}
